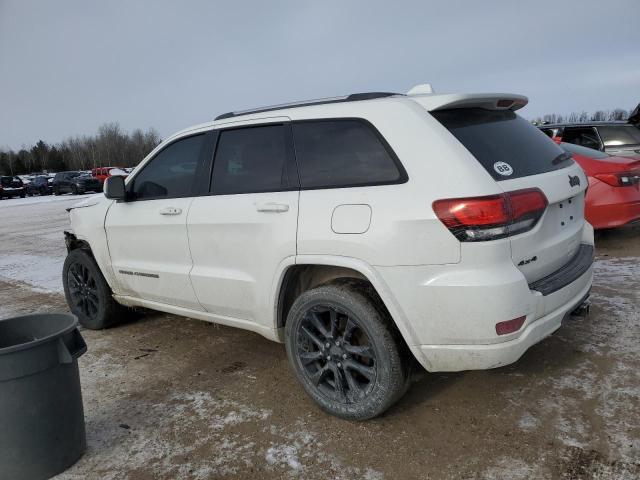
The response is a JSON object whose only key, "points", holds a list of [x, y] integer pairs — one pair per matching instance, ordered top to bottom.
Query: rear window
{"points": [[614, 136], [505, 144]]}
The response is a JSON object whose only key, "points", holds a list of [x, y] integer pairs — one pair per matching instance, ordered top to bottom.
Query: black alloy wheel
{"points": [[83, 290], [346, 351], [336, 354]]}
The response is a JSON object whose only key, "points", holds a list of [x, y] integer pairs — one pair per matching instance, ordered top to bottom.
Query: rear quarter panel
{"points": [[404, 229]]}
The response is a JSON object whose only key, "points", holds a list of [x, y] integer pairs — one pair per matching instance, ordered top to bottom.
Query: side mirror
{"points": [[114, 188]]}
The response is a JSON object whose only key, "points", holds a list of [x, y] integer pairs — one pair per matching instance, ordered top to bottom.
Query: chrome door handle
{"points": [[272, 207], [170, 211]]}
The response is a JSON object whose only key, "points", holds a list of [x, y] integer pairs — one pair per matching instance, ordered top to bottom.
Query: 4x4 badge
{"points": [[574, 181]]}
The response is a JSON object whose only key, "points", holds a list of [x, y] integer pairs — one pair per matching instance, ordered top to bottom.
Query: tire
{"points": [[74, 190], [56, 191], [87, 293], [366, 353]]}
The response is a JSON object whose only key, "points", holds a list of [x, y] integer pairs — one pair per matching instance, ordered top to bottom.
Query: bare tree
{"points": [[110, 146]]}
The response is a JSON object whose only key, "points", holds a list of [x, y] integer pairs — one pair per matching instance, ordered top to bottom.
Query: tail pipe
{"points": [[582, 310]]}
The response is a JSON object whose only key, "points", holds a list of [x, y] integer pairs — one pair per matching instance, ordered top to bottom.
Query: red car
{"points": [[102, 173], [613, 197]]}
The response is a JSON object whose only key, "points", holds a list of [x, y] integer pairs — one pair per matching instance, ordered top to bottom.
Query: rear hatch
{"points": [[519, 156]]}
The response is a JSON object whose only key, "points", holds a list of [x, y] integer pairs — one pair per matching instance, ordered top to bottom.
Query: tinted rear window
{"points": [[498, 137], [343, 153], [251, 160]]}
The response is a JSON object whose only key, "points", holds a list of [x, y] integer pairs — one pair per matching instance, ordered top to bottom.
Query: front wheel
{"points": [[87, 292], [345, 351]]}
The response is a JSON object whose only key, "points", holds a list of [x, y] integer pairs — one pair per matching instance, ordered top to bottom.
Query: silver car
{"points": [[615, 138]]}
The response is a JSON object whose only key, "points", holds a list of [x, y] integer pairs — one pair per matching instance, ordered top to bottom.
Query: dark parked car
{"points": [[615, 138], [76, 183], [39, 186], [11, 187]]}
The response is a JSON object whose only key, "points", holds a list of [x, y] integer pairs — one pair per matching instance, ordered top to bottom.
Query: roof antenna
{"points": [[422, 89]]}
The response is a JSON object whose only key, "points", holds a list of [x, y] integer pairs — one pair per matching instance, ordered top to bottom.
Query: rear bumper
{"points": [[611, 207], [451, 311], [453, 358]]}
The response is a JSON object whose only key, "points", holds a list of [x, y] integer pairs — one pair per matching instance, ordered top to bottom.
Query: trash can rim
{"points": [[39, 341]]}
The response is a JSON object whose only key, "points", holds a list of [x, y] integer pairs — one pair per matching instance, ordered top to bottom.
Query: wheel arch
{"points": [[74, 242], [311, 271]]}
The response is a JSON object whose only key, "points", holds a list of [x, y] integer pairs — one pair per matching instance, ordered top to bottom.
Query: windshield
{"points": [[618, 135], [505, 144], [584, 151]]}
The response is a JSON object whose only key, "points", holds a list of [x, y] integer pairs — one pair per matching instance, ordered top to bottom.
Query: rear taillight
{"points": [[620, 179], [490, 218]]}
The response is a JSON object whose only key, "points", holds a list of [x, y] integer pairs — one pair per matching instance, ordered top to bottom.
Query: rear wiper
{"points": [[563, 157]]}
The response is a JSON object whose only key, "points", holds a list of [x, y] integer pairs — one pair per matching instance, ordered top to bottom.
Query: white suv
{"points": [[361, 231]]}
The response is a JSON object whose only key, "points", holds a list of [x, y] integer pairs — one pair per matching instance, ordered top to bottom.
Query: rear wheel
{"points": [[74, 190], [88, 294], [346, 352]]}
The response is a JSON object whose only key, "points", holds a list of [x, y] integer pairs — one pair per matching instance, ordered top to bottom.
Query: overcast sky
{"points": [[68, 66]]}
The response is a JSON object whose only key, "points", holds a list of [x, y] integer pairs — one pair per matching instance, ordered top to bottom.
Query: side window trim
{"points": [[602, 145], [290, 165], [403, 178], [195, 186]]}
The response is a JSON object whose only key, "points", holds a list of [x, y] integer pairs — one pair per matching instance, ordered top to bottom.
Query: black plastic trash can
{"points": [[42, 429]]}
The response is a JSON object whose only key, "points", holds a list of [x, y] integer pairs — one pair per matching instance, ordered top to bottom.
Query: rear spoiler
{"points": [[488, 101]]}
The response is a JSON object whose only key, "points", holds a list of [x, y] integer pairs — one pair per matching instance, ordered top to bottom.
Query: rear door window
{"points": [[583, 136], [505, 144], [343, 153], [253, 160]]}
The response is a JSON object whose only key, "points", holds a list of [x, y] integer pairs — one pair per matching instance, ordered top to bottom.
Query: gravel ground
{"points": [[169, 397]]}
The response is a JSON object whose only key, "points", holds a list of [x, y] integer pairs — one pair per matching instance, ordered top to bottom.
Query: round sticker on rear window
{"points": [[503, 168]]}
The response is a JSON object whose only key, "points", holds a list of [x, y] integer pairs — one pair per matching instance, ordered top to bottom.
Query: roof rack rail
{"points": [[354, 97]]}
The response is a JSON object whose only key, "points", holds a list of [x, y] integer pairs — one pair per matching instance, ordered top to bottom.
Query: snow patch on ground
{"points": [[19, 202], [42, 273], [528, 422], [196, 435], [301, 454], [512, 469]]}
